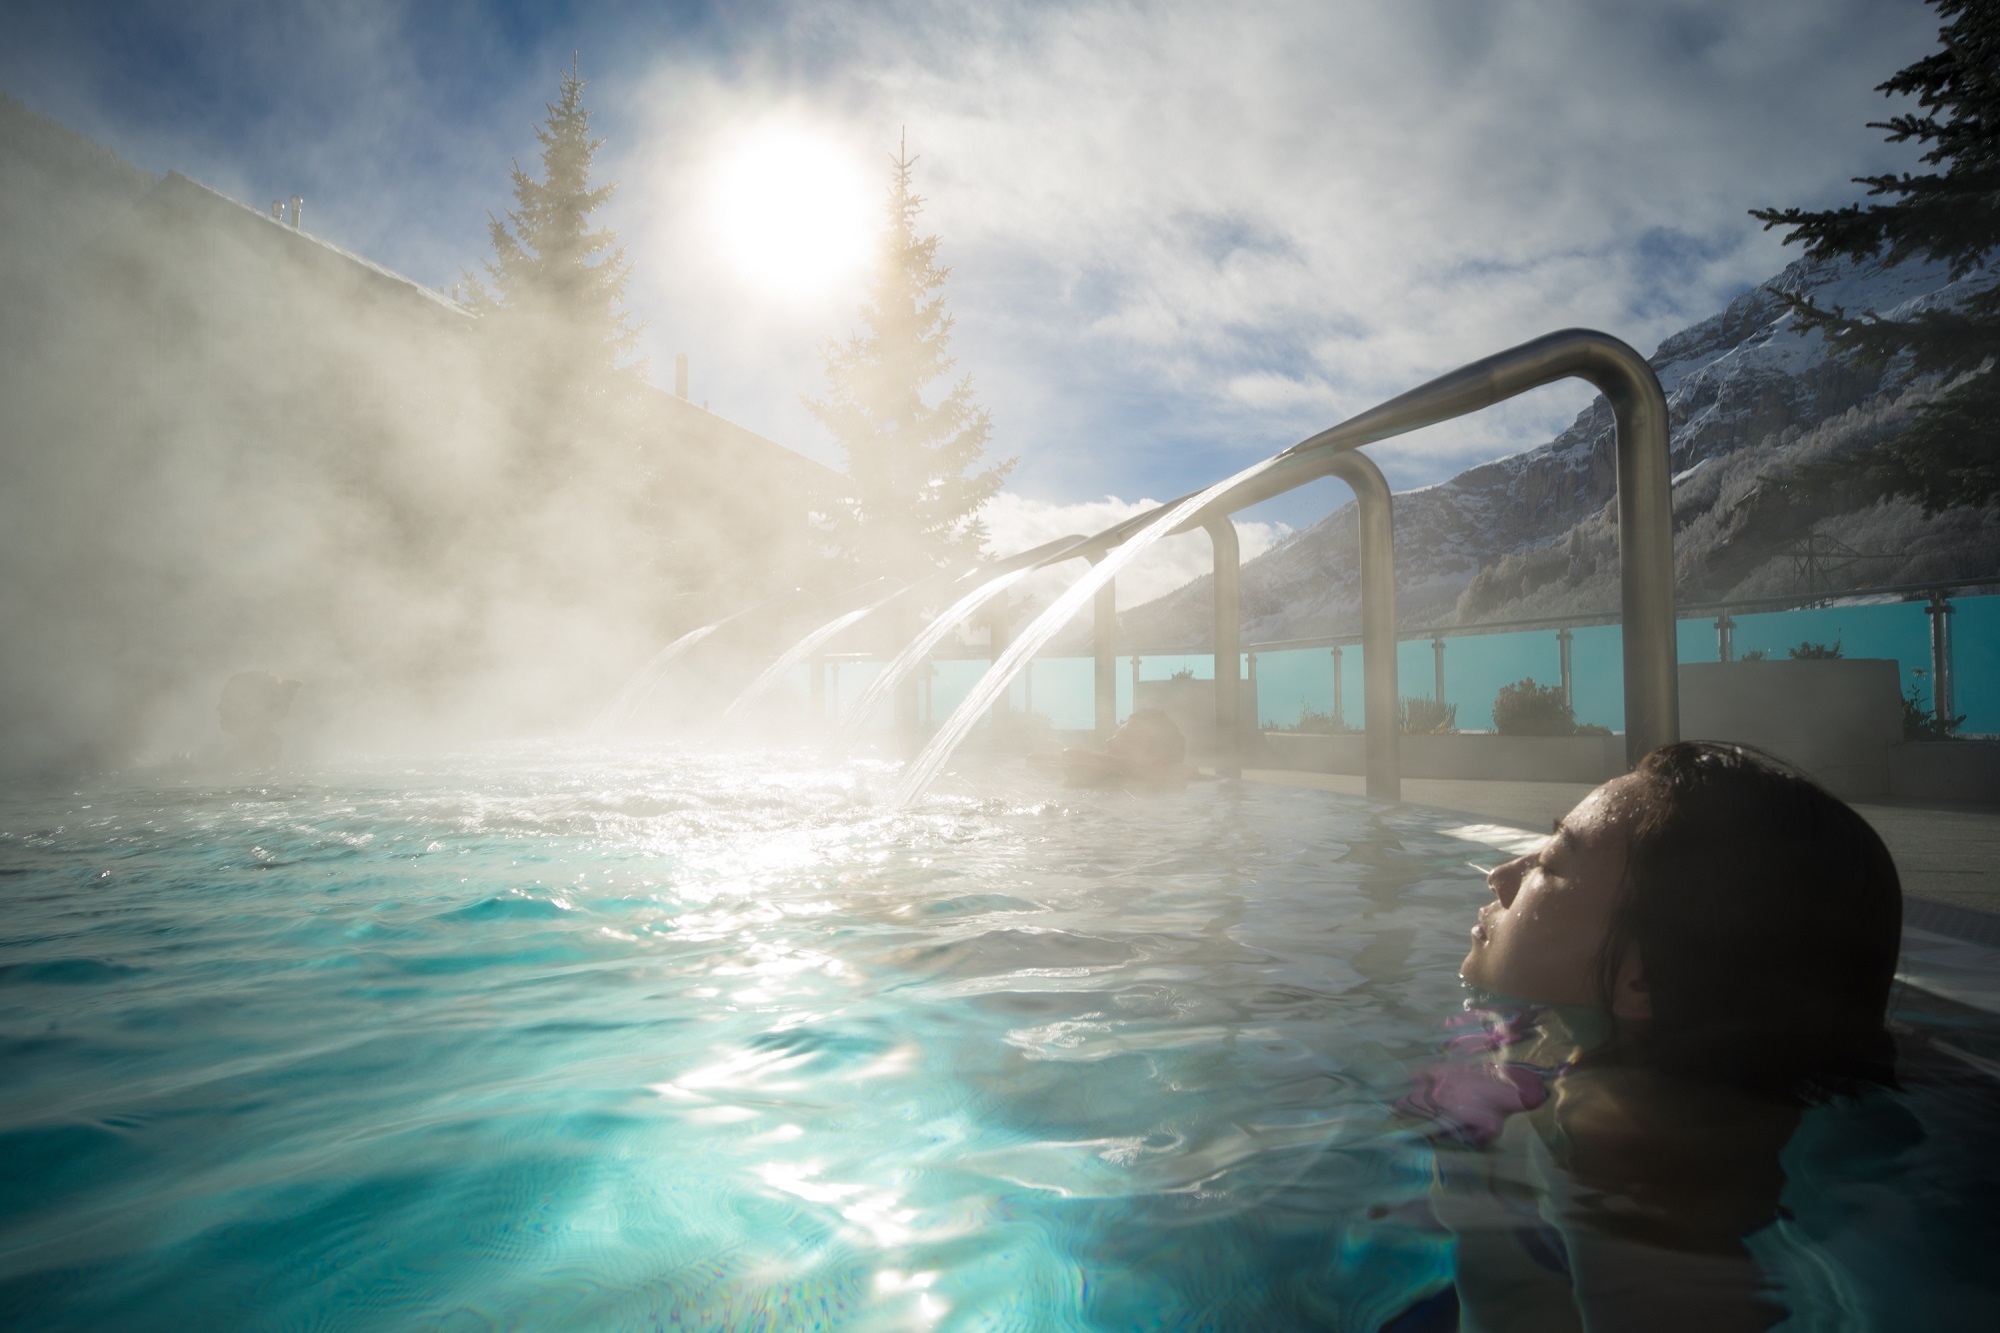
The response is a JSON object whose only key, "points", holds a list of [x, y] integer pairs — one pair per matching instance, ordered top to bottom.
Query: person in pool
{"points": [[1148, 751], [1708, 943]]}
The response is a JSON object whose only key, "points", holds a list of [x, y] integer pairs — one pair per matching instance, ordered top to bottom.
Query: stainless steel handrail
{"points": [[1645, 512], [1228, 623]]}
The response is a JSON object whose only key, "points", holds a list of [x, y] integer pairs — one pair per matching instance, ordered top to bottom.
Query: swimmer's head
{"points": [[1149, 740], [1739, 921]]}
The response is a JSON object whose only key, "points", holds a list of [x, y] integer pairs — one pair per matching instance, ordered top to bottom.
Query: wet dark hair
{"points": [[1767, 915]]}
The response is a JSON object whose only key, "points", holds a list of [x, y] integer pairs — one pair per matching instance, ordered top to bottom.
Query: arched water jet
{"points": [[998, 578], [1046, 626], [768, 679], [639, 687]]}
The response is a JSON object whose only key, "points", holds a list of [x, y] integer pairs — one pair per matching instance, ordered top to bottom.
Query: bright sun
{"points": [[792, 211]]}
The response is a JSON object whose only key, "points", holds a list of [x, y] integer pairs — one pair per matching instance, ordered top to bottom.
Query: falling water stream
{"points": [[919, 648], [798, 653], [634, 693], [924, 768]]}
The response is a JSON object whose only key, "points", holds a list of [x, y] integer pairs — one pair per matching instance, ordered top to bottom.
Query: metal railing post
{"points": [[1375, 511], [1940, 611], [1563, 638], [1228, 646], [1104, 647], [1250, 675], [1336, 685]]}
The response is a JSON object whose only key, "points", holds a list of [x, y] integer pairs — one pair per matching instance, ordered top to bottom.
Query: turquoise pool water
{"points": [[534, 1039], [604, 1043]]}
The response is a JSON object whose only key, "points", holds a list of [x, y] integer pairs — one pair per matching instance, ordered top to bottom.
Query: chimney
{"points": [[298, 204], [277, 210], [680, 375]]}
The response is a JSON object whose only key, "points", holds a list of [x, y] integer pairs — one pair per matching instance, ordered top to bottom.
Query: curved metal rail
{"points": [[1645, 512]]}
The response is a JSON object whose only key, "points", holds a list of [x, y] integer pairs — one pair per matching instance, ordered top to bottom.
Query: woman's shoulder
{"points": [[1698, 1162]]}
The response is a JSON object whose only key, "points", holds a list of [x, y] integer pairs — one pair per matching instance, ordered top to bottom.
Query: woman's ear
{"points": [[1631, 999]]}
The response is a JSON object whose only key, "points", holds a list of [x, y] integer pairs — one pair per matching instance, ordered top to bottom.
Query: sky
{"points": [[1181, 235]]}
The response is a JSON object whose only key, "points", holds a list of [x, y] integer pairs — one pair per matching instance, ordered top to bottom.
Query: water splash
{"points": [[919, 648], [799, 652], [633, 694], [924, 768]]}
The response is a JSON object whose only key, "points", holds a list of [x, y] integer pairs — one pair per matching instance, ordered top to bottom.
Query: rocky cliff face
{"points": [[1740, 380]]}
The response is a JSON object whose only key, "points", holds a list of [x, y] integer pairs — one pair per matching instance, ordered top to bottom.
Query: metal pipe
{"points": [[1375, 511], [1645, 513], [1940, 611], [1228, 620], [1725, 638], [1104, 648], [1336, 686], [1250, 696]]}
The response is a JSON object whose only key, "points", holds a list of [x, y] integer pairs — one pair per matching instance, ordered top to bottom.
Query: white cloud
{"points": [[1229, 226], [1181, 233], [1016, 523]]}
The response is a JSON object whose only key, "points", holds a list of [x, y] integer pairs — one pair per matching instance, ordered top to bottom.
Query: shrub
{"points": [[1814, 652], [1754, 655], [1185, 673], [1527, 709], [1418, 716], [1314, 722], [1921, 722], [1592, 729]]}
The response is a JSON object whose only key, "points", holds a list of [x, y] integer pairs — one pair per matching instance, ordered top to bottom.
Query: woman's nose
{"points": [[1505, 880]]}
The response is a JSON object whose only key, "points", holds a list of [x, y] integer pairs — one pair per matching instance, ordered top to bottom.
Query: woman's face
{"points": [[1539, 938]]}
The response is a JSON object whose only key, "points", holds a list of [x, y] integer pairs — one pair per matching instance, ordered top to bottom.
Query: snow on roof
{"points": [[206, 195]]}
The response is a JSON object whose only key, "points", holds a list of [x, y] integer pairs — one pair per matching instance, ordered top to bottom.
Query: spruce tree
{"points": [[1951, 214], [556, 310], [910, 496]]}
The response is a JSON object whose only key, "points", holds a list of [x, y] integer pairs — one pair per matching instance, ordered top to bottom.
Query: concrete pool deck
{"points": [[1948, 858]]}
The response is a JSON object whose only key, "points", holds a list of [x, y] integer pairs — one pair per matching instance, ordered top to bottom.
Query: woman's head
{"points": [[1740, 922]]}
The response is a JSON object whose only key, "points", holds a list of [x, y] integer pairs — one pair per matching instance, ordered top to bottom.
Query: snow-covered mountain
{"points": [[1743, 387]]}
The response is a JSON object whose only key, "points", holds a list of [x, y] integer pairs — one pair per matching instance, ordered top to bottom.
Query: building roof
{"points": [[692, 425]]}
